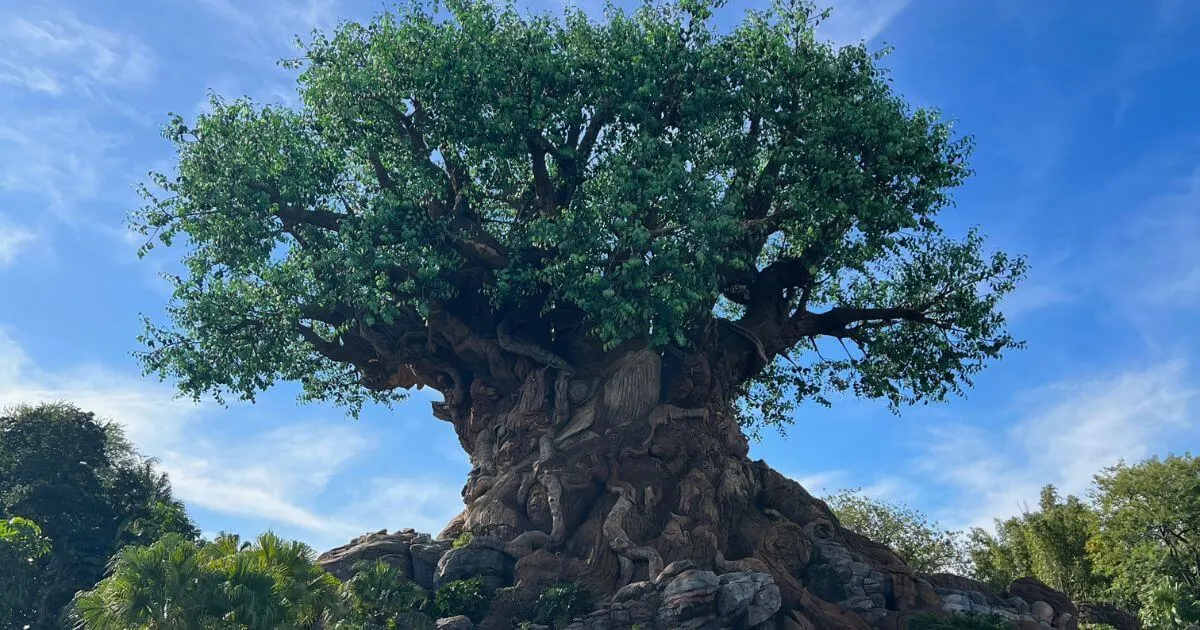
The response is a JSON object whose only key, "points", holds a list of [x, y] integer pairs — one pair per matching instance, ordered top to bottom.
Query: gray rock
{"points": [[383, 547], [425, 557], [494, 567], [672, 570], [736, 590], [633, 591], [688, 596], [766, 603], [1042, 611], [459, 622]]}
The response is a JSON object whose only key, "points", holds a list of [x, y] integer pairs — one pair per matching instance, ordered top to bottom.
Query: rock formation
{"points": [[844, 582]]}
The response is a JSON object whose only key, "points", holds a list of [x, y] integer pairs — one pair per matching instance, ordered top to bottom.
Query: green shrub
{"points": [[463, 540], [463, 597], [558, 604], [962, 621]]}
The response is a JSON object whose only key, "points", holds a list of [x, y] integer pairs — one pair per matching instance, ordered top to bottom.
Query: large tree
{"points": [[612, 246], [1149, 542]]}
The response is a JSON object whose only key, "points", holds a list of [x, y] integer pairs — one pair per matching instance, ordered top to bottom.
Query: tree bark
{"points": [[618, 472]]}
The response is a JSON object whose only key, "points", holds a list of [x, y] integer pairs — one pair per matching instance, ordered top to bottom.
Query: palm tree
{"points": [[174, 584], [165, 586]]}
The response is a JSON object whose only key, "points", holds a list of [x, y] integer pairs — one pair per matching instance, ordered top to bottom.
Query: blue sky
{"points": [[1088, 161]]}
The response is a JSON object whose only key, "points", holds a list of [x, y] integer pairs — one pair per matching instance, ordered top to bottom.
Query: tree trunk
{"points": [[620, 473]]}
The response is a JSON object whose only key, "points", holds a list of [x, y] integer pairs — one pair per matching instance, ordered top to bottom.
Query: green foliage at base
{"points": [[21, 547], [176, 583], [378, 597], [463, 597], [561, 602], [963, 621]]}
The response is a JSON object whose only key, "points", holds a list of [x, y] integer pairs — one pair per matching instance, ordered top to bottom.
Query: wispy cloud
{"points": [[853, 21], [55, 53], [59, 155], [13, 239], [1064, 435], [278, 477]]}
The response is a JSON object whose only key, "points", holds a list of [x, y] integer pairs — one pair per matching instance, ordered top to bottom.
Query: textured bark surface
{"points": [[606, 478]]}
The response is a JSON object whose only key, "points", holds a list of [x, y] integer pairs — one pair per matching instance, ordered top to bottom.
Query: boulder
{"points": [[379, 546], [425, 559], [494, 568], [689, 595], [458, 622]]}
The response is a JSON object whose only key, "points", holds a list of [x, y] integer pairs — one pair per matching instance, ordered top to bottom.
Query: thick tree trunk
{"points": [[619, 474]]}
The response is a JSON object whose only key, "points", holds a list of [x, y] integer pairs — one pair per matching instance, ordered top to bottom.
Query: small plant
{"points": [[462, 540], [463, 597], [558, 604], [961, 621]]}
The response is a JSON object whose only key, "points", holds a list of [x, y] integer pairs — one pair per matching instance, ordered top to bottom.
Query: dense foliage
{"points": [[645, 180], [88, 490], [921, 542], [1050, 543], [1149, 544], [22, 545], [176, 583], [379, 597], [463, 597], [560, 603], [962, 621]]}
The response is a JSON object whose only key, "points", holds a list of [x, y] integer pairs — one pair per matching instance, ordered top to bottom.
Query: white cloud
{"points": [[853, 21], [57, 53], [59, 155], [13, 239], [1163, 243], [1066, 433], [277, 477]]}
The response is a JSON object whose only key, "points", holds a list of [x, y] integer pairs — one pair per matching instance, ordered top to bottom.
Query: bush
{"points": [[463, 540], [463, 597], [558, 604], [965, 621]]}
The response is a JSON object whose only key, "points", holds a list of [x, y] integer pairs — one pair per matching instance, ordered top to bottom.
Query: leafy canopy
{"points": [[644, 180], [90, 492], [920, 541], [1150, 541], [1050, 543], [21, 547]]}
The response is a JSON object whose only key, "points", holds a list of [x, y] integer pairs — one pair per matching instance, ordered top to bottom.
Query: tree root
{"points": [[619, 541]]}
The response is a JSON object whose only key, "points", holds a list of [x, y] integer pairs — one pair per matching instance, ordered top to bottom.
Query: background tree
{"points": [[608, 244], [89, 491], [1149, 543], [923, 544], [1050, 544], [21, 548]]}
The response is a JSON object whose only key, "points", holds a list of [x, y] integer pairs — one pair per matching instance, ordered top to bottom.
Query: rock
{"points": [[379, 546], [425, 558], [494, 568], [538, 569], [672, 570], [635, 590], [1032, 590], [735, 592], [688, 595], [766, 603], [1042, 611], [1101, 613], [459, 622]]}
